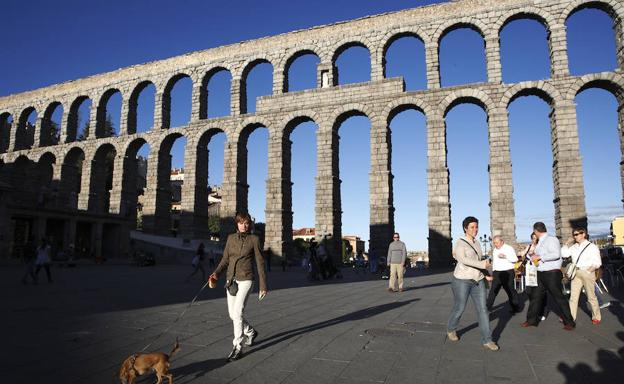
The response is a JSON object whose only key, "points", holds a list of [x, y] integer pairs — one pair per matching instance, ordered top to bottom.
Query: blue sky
{"points": [[49, 42]]}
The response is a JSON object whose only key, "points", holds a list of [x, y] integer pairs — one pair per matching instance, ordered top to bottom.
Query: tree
{"points": [[109, 128], [54, 133], [214, 225]]}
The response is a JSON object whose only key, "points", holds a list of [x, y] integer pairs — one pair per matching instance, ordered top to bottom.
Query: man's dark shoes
{"points": [[568, 327], [249, 340], [236, 354]]}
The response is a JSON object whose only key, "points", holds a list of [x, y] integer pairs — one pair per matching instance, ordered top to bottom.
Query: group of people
{"points": [[541, 262]]}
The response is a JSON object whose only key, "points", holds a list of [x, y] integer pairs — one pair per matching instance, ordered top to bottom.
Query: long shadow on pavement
{"points": [[357, 315]]}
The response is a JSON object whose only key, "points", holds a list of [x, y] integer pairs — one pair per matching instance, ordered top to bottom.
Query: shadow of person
{"points": [[426, 286], [504, 315], [353, 316], [197, 370], [610, 371]]}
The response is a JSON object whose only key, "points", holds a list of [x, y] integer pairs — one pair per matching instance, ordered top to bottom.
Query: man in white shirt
{"points": [[503, 259]]}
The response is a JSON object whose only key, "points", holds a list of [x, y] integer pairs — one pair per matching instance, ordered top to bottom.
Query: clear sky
{"points": [[46, 42]]}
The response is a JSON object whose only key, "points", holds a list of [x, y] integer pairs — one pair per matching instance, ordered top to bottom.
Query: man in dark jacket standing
{"points": [[397, 253]]}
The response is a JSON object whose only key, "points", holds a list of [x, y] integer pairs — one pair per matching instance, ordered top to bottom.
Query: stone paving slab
{"points": [[81, 327]]}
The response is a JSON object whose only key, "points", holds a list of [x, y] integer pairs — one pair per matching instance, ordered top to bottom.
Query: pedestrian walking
{"points": [[241, 249], [397, 254], [29, 255], [586, 256], [547, 258], [43, 259], [503, 259], [198, 262], [530, 277], [469, 281]]}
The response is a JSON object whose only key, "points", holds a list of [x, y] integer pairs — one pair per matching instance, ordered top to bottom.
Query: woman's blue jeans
{"points": [[477, 291]]}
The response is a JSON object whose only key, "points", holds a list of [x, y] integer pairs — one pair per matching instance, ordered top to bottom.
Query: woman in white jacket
{"points": [[586, 256]]}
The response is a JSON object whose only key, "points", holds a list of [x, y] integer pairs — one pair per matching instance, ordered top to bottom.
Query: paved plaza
{"points": [[80, 328]]}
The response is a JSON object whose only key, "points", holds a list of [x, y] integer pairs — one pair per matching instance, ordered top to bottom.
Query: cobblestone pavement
{"points": [[80, 328]]}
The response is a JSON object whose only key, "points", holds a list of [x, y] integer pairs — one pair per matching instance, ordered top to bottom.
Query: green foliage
{"points": [[214, 225], [301, 246]]}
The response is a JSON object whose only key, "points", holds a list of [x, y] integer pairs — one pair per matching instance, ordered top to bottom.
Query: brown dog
{"points": [[138, 364]]}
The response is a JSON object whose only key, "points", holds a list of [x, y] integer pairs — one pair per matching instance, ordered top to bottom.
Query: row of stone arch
{"points": [[26, 137], [102, 179]]}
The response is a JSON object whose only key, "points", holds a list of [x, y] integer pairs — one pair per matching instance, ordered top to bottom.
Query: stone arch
{"points": [[612, 8], [532, 13], [472, 23], [395, 35], [343, 46], [291, 59], [247, 68], [597, 81], [544, 91], [203, 94], [471, 96], [405, 103], [133, 104], [165, 107], [346, 111], [72, 118], [290, 122], [6, 123], [101, 128], [25, 134], [48, 136], [44, 173], [71, 177], [133, 181], [101, 182]]}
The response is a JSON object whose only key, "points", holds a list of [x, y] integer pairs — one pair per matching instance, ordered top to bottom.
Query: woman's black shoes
{"points": [[249, 340], [237, 353]]}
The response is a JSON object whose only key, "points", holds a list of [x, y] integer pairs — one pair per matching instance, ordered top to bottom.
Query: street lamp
{"points": [[485, 240]]}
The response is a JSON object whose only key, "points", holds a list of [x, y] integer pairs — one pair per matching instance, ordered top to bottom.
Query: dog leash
{"points": [[178, 318]]}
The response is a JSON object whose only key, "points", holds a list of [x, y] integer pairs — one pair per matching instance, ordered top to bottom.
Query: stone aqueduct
{"points": [[32, 161]]}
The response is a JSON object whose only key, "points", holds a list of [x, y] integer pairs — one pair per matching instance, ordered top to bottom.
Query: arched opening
{"points": [[594, 39], [524, 49], [461, 52], [404, 55], [352, 64], [301, 71], [257, 80], [216, 94], [177, 101], [141, 108], [597, 108], [108, 114], [78, 120], [6, 122], [51, 125], [408, 128], [467, 129], [25, 135], [531, 155], [300, 160], [354, 165], [253, 170], [71, 178], [134, 182], [101, 183], [24, 184], [46, 191], [162, 201], [203, 216]]}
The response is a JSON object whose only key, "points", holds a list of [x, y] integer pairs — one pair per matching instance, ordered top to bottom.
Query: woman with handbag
{"points": [[241, 248], [585, 259]]}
